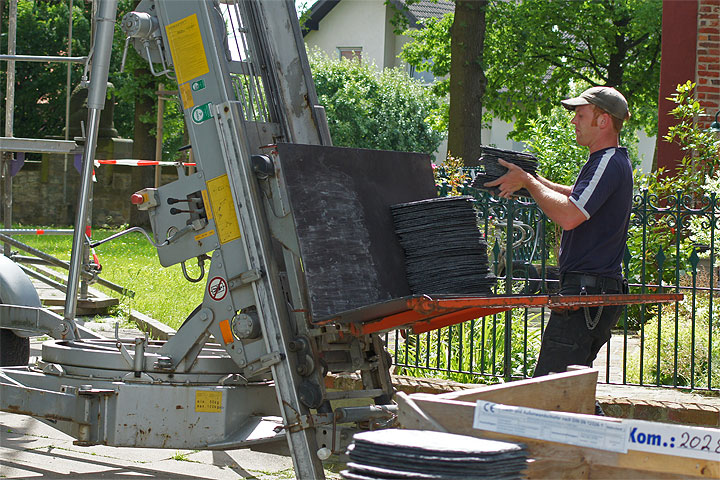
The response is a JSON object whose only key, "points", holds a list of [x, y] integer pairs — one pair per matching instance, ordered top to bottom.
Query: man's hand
{"points": [[511, 182]]}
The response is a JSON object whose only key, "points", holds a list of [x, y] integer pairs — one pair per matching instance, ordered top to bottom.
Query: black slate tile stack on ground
{"points": [[493, 170], [445, 253], [420, 454]]}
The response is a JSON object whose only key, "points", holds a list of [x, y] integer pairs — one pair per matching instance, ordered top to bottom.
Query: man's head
{"points": [[607, 99]]}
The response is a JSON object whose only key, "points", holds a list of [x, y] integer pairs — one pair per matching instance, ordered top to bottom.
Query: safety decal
{"points": [[186, 47], [197, 85], [186, 96], [202, 113], [223, 209], [203, 236], [217, 288], [208, 401]]}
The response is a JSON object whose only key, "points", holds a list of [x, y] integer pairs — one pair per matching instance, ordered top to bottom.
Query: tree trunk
{"points": [[619, 54], [467, 80], [143, 145]]}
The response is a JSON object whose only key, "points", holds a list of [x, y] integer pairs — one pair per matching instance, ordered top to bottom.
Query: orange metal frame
{"points": [[424, 313]]}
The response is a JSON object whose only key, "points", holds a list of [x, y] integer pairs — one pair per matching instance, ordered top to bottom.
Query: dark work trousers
{"points": [[567, 340]]}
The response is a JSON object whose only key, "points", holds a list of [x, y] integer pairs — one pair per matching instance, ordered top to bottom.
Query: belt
{"points": [[592, 281]]}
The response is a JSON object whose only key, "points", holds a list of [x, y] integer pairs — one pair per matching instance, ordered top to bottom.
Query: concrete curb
{"points": [[155, 329], [701, 415]]}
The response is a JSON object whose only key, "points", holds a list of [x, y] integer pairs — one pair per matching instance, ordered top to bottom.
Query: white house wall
{"points": [[347, 25], [646, 150]]}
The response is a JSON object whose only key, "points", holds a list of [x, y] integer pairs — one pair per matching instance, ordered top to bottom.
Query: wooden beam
{"points": [[572, 392], [555, 459]]}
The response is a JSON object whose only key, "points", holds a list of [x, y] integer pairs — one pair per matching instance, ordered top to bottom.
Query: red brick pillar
{"points": [[679, 44], [708, 59]]}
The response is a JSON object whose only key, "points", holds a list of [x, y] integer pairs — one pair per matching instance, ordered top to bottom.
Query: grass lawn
{"points": [[131, 261]]}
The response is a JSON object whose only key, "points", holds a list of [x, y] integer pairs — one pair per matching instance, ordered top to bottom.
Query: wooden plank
{"points": [[96, 303], [154, 328], [572, 392], [457, 417], [548, 469], [553, 469], [617, 473]]}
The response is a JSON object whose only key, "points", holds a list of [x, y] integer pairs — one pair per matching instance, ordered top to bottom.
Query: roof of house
{"points": [[425, 9], [415, 12]]}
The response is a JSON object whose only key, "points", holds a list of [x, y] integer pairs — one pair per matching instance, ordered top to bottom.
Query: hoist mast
{"points": [[247, 366]]}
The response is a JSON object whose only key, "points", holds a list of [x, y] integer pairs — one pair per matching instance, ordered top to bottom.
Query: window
{"points": [[351, 53], [426, 78]]}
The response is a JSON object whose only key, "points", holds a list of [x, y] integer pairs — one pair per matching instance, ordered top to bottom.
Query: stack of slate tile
{"points": [[493, 170], [445, 253], [396, 453]]}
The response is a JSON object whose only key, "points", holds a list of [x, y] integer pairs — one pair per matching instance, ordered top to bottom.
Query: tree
{"points": [[42, 29], [429, 51], [539, 52], [460, 56], [467, 80], [40, 88], [368, 109]]}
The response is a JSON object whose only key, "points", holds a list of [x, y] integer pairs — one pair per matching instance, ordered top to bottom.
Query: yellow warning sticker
{"points": [[187, 49], [186, 95], [206, 201], [223, 210], [205, 235], [208, 401]]}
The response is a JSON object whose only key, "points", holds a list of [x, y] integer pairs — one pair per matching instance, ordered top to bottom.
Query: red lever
{"points": [[137, 199]]}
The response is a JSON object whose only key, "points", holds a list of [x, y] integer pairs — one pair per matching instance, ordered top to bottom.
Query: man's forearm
{"points": [[563, 189], [555, 202]]}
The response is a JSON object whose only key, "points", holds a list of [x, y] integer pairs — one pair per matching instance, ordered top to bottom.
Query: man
{"points": [[594, 214]]}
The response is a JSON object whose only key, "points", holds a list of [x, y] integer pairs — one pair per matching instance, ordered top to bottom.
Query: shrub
{"points": [[384, 110], [699, 145], [451, 178], [673, 213], [703, 227], [676, 330]]}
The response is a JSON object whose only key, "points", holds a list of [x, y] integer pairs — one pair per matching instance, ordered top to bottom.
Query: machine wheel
{"points": [[15, 289], [192, 314], [14, 350]]}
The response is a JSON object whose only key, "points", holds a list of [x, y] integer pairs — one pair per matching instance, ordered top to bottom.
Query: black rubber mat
{"points": [[493, 170], [445, 251], [397, 453]]}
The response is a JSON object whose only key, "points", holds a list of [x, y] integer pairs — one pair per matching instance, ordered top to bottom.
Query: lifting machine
{"points": [[248, 364]]}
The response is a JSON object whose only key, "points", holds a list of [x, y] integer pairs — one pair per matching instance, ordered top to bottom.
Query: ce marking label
{"points": [[489, 407]]}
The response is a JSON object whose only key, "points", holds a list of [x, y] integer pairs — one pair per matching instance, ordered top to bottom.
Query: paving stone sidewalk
{"points": [[31, 449]]}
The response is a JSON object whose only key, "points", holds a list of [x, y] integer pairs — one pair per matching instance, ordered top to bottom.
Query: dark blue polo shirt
{"points": [[603, 193]]}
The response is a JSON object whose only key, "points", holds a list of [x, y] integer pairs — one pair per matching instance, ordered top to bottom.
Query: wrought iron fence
{"points": [[671, 248]]}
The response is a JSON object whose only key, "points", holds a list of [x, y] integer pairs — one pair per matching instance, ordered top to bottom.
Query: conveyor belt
{"points": [[422, 313]]}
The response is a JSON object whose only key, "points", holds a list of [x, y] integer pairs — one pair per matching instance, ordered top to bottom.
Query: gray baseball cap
{"points": [[606, 98]]}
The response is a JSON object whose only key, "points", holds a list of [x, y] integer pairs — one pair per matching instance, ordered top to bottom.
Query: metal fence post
{"points": [[507, 355]]}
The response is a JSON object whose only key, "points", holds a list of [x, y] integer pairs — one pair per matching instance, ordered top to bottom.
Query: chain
{"points": [[591, 323]]}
